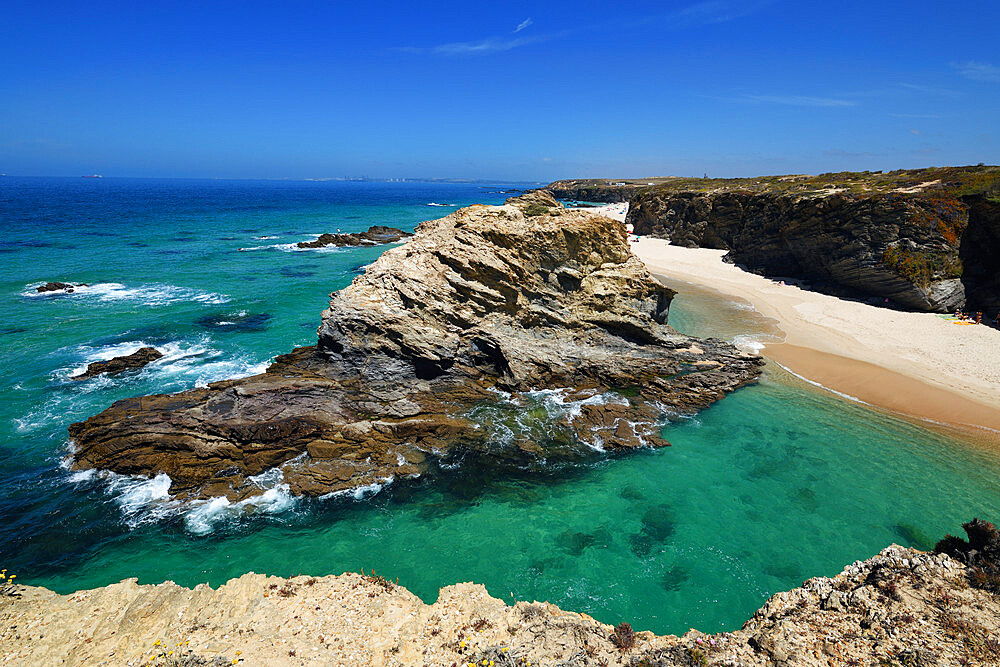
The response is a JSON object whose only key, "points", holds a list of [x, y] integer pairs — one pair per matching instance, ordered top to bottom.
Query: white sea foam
{"points": [[265, 238], [284, 247], [153, 294], [749, 343], [183, 360], [557, 404], [361, 492], [203, 516]]}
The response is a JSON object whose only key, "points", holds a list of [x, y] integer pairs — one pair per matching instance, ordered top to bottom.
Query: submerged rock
{"points": [[376, 235], [484, 307], [137, 359]]}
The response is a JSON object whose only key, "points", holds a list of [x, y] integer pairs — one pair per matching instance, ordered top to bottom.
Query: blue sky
{"points": [[513, 90]]}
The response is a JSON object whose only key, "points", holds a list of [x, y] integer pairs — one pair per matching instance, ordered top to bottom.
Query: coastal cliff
{"points": [[927, 239], [440, 349], [901, 607]]}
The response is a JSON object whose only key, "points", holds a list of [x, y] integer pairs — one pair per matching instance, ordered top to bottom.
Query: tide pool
{"points": [[774, 484]]}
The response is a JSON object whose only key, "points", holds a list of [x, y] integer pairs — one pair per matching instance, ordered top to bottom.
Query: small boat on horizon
{"points": [[93, 176]]}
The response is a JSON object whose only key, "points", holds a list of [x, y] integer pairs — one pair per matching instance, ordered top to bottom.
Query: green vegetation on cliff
{"points": [[948, 182]]}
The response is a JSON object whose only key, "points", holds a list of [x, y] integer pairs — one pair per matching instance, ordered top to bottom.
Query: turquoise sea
{"points": [[774, 484]]}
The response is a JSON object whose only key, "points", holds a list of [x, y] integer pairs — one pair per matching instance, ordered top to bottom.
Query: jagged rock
{"points": [[592, 190], [376, 235], [895, 246], [59, 287], [422, 354], [137, 359], [904, 608]]}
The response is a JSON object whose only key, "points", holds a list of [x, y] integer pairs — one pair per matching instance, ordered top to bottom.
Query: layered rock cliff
{"points": [[928, 239], [415, 358], [902, 607]]}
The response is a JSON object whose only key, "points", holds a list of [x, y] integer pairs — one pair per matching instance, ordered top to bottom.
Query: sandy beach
{"points": [[916, 364]]}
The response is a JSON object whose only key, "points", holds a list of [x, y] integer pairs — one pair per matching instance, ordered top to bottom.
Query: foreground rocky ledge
{"points": [[439, 349], [902, 607]]}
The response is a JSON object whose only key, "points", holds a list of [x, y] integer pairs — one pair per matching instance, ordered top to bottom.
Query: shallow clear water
{"points": [[776, 483]]}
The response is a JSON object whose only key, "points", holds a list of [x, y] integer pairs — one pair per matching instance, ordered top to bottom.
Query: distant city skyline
{"points": [[514, 92]]}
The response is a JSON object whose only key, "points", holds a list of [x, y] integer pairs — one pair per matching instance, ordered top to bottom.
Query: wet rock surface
{"points": [[376, 235], [59, 287], [437, 349], [127, 362], [902, 607]]}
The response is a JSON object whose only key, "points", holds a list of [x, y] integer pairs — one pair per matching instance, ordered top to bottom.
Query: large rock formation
{"points": [[928, 239], [902, 247], [434, 350], [902, 607]]}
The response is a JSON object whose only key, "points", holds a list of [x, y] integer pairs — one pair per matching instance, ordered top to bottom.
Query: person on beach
{"points": [[979, 317]]}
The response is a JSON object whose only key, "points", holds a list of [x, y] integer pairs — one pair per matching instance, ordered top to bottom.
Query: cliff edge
{"points": [[927, 239], [902, 607]]}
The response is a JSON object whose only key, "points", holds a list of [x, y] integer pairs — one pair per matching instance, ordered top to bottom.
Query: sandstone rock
{"points": [[376, 235], [137, 359], [414, 359], [352, 619]]}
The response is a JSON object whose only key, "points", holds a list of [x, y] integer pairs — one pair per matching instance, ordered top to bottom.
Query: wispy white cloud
{"points": [[703, 13], [489, 45], [978, 71], [929, 90], [797, 100], [917, 115], [837, 152]]}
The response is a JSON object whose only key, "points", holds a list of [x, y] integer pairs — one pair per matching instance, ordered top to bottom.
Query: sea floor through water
{"points": [[774, 484]]}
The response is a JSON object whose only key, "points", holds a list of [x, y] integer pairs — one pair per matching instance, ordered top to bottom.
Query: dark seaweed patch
{"points": [[235, 323], [657, 526], [674, 578]]}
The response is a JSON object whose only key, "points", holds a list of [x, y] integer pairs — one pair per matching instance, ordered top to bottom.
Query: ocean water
{"points": [[774, 484]]}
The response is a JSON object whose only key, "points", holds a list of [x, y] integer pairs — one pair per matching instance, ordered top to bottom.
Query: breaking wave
{"points": [[153, 294]]}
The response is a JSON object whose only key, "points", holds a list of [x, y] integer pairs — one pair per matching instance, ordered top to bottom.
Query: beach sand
{"points": [[915, 364]]}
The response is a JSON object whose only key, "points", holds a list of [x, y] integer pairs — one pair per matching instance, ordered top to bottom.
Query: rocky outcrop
{"points": [[592, 190], [376, 235], [927, 239], [897, 246], [980, 255], [59, 287], [428, 354], [128, 362], [902, 607]]}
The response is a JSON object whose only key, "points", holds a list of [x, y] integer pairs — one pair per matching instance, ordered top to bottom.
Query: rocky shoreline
{"points": [[425, 355], [901, 607]]}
